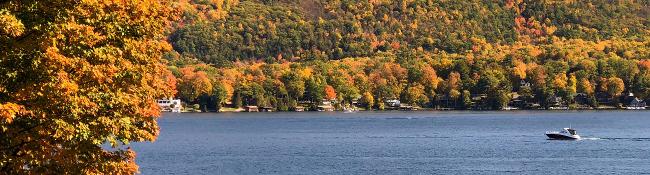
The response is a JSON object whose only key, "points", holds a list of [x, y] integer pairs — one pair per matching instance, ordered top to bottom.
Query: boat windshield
{"points": [[572, 132]]}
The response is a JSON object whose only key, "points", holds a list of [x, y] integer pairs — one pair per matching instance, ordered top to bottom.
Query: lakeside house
{"points": [[604, 99], [445, 102], [480, 102], [518, 103], [557, 103], [634, 103], [393, 104], [170, 105]]}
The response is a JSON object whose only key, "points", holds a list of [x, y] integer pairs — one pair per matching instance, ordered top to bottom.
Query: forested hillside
{"points": [[278, 52]]}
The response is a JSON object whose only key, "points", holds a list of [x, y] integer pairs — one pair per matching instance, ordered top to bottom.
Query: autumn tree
{"points": [[519, 71], [76, 75], [537, 77], [388, 80], [430, 81], [193, 84], [453, 85], [585, 86], [615, 87], [330, 93], [415, 95], [367, 100]]}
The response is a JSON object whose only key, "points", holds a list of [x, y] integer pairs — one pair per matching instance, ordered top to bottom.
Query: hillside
{"points": [[326, 30], [559, 48]]}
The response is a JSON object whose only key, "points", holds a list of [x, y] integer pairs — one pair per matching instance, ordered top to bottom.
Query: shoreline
{"points": [[422, 109]]}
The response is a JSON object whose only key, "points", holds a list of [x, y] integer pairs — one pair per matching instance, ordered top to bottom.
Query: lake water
{"points": [[616, 142]]}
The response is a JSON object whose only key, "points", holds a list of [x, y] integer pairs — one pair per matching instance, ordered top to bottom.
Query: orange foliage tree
{"points": [[75, 75], [430, 80], [193, 84], [330, 93]]}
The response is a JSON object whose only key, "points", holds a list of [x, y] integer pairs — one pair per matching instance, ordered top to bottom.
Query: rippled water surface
{"points": [[616, 142]]}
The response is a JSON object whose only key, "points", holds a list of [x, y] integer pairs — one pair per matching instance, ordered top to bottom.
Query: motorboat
{"points": [[565, 134]]}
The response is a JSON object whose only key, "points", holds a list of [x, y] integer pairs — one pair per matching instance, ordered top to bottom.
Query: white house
{"points": [[393, 103], [170, 105]]}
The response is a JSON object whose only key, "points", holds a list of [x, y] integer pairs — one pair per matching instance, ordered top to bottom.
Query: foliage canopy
{"points": [[75, 75]]}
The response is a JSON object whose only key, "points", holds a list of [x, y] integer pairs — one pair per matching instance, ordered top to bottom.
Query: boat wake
{"points": [[401, 118], [409, 137], [590, 138], [617, 139], [628, 139]]}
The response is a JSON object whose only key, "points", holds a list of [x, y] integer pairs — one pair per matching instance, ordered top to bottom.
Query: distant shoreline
{"points": [[422, 109]]}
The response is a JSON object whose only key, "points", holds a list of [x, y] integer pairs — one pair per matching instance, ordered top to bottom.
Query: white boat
{"points": [[565, 134]]}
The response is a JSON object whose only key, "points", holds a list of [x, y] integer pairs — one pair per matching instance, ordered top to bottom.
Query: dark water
{"points": [[616, 142]]}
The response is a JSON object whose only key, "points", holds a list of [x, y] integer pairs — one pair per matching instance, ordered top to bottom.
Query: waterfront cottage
{"points": [[636, 103], [393, 104], [170, 105]]}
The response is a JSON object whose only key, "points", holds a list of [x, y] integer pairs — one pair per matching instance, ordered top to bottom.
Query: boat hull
{"points": [[560, 137]]}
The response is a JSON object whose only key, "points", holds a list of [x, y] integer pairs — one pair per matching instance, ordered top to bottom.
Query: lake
{"points": [[423, 142]]}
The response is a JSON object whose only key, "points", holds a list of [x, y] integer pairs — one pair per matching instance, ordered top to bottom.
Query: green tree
{"points": [[294, 84], [495, 84], [642, 85], [315, 88], [526, 93], [219, 95], [467, 99], [237, 100]]}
